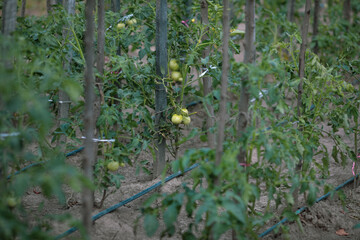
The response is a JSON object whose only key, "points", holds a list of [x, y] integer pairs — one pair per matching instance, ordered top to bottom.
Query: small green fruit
{"points": [[131, 21], [120, 26], [174, 66], [175, 76], [184, 111], [176, 119], [186, 120], [113, 166], [11, 202]]}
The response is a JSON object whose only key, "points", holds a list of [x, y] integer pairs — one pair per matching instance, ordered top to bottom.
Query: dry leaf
{"points": [[341, 232]]}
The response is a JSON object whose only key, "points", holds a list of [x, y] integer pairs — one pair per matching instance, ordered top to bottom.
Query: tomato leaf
{"points": [[170, 215], [151, 224]]}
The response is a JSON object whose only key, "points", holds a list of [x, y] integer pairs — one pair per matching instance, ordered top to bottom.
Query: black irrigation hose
{"points": [[136, 196], [305, 207]]}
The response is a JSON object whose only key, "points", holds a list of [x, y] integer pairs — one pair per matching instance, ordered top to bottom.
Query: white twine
{"points": [[206, 70], [265, 91], [61, 102], [4, 135], [100, 140]]}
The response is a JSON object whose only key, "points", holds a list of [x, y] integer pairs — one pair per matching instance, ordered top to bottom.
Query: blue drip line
{"points": [[74, 152], [41, 162], [23, 169], [136, 196], [305, 207]]}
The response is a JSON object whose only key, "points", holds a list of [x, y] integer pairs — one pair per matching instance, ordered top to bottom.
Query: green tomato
{"points": [[131, 21], [120, 26], [174, 66], [175, 76], [184, 111], [176, 119], [186, 120], [113, 166], [11, 202]]}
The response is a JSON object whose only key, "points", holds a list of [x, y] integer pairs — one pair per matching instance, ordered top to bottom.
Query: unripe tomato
{"points": [[131, 21], [120, 26], [174, 66], [175, 76], [180, 79], [184, 111], [176, 119], [186, 120], [122, 164], [113, 166], [11, 202]]}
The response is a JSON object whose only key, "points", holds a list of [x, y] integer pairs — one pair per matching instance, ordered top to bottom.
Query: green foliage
{"points": [[32, 72], [27, 74], [329, 99]]}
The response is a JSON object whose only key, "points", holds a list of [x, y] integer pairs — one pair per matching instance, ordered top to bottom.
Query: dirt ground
{"points": [[328, 219]]}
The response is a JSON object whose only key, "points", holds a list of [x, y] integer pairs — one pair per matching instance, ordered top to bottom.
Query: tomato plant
{"points": [[276, 138]]}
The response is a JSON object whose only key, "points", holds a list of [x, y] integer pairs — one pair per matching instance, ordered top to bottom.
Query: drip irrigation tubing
{"points": [[41, 162], [136, 196], [305, 207]]}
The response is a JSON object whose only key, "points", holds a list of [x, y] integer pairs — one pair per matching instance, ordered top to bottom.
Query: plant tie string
{"points": [[61, 102], [5, 135], [100, 140], [353, 166], [353, 169]]}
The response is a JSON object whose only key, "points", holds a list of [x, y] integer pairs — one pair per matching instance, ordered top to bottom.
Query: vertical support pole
{"points": [[115, 5], [23, 8], [291, 10], [347, 10], [9, 16], [316, 25], [8, 26], [249, 58], [100, 59], [224, 83], [160, 90], [64, 106], [89, 156]]}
